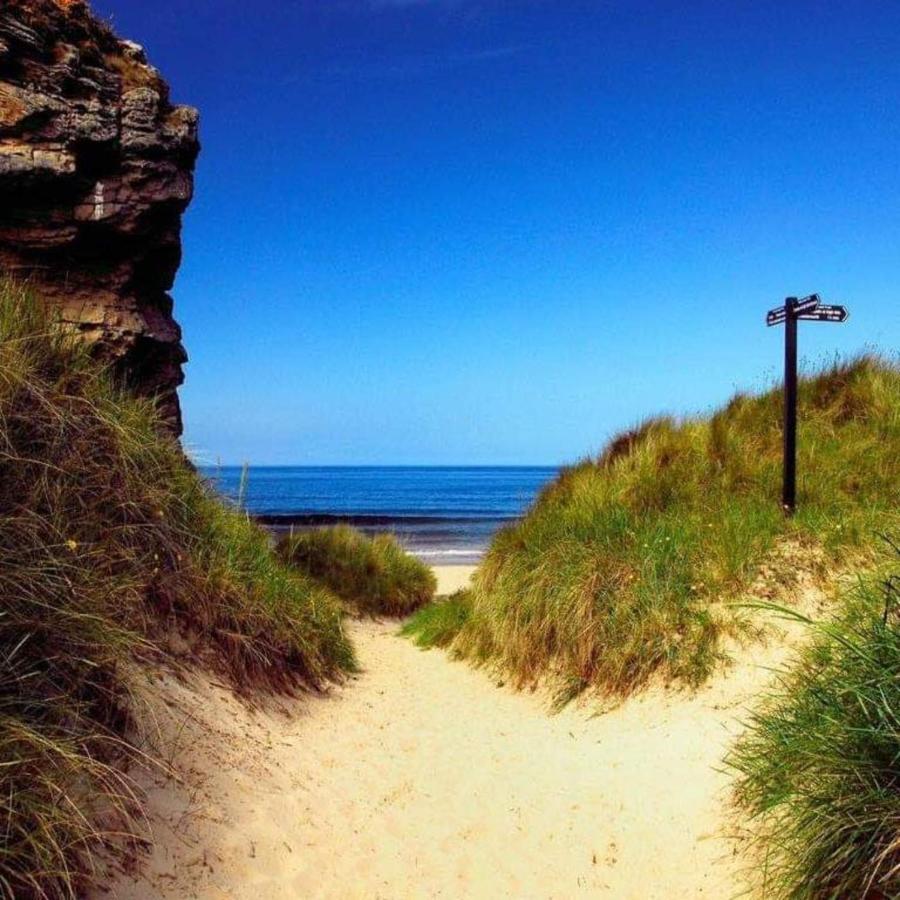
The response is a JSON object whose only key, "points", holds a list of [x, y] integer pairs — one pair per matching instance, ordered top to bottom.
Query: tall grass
{"points": [[109, 543], [623, 567], [375, 575], [437, 624], [820, 764]]}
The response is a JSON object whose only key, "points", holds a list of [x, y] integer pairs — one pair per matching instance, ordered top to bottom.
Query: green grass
{"points": [[109, 543], [626, 567], [376, 576], [438, 623], [819, 766]]}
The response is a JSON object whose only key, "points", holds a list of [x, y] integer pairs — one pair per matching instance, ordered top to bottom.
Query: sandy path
{"points": [[452, 578], [424, 778]]}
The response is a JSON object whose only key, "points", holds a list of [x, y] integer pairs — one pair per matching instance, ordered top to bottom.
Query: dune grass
{"points": [[109, 544], [625, 567], [375, 575], [437, 624], [819, 766]]}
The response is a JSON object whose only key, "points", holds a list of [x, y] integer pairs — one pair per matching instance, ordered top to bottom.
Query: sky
{"points": [[487, 232]]}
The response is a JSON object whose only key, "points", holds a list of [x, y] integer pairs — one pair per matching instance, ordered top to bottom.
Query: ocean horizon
{"points": [[441, 514]]}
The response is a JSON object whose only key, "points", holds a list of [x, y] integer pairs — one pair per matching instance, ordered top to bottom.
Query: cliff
{"points": [[96, 169]]}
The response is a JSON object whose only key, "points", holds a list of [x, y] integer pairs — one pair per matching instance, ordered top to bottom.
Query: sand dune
{"points": [[424, 778]]}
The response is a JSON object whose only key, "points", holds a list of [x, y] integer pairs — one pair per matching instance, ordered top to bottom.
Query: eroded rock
{"points": [[96, 169]]}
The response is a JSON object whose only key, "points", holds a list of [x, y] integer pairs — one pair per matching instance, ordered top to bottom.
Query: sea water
{"points": [[442, 514]]}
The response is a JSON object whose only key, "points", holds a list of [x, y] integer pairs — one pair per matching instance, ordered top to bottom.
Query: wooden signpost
{"points": [[807, 309]]}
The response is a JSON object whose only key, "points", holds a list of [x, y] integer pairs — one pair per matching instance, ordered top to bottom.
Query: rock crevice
{"points": [[96, 169]]}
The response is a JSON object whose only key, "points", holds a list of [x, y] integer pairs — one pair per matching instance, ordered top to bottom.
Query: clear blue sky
{"points": [[475, 231]]}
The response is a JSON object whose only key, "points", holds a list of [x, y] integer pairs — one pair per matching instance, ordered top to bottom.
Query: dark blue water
{"points": [[442, 514]]}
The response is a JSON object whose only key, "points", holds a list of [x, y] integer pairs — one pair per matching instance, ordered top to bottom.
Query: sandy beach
{"points": [[502, 502], [452, 578], [422, 777]]}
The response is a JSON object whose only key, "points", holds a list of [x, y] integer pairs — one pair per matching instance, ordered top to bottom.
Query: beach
{"points": [[503, 501], [452, 578], [423, 777]]}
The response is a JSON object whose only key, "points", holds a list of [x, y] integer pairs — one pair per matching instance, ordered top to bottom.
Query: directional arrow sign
{"points": [[805, 305], [797, 309], [826, 314]]}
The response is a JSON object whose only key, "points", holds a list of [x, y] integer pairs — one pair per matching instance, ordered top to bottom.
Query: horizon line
{"points": [[251, 465]]}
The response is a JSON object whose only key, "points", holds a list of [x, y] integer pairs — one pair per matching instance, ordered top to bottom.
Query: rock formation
{"points": [[96, 169]]}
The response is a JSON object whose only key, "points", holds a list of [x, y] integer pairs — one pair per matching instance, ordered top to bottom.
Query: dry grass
{"points": [[109, 544], [625, 567], [375, 576]]}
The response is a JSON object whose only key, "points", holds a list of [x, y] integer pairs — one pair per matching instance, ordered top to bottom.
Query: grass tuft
{"points": [[111, 545], [624, 567], [376, 575], [438, 623], [819, 765]]}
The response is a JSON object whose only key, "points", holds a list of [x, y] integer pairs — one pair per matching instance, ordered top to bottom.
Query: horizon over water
{"points": [[441, 514]]}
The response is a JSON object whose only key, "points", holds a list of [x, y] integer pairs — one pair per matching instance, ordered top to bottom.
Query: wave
{"points": [[376, 519], [475, 552]]}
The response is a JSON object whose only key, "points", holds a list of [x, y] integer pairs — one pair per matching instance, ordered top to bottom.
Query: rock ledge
{"points": [[96, 169]]}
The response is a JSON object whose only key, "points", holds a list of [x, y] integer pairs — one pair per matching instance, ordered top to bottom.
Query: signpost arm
{"points": [[789, 487]]}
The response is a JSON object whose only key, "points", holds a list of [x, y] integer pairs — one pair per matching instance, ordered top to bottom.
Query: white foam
{"points": [[472, 554]]}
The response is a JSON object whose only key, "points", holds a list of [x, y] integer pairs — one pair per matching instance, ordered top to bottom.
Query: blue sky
{"points": [[474, 231]]}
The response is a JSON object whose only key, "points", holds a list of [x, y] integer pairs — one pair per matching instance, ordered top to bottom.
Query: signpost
{"points": [[808, 309]]}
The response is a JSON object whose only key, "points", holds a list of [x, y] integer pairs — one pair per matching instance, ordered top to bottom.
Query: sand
{"points": [[452, 578], [422, 777]]}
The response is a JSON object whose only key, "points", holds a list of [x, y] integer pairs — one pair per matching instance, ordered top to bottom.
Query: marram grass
{"points": [[109, 542], [628, 567], [374, 575], [438, 623], [819, 766]]}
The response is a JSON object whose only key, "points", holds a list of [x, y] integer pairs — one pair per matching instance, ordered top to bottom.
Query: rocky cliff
{"points": [[96, 169]]}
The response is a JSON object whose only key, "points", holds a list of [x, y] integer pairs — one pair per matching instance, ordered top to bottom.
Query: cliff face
{"points": [[96, 169]]}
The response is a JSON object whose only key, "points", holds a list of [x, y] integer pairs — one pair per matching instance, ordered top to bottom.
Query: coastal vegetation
{"points": [[114, 558], [634, 565], [374, 575], [438, 624], [818, 765]]}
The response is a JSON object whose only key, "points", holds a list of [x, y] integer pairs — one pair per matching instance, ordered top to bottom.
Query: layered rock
{"points": [[96, 169]]}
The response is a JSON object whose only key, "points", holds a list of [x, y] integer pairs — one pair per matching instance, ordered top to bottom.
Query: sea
{"points": [[443, 515]]}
